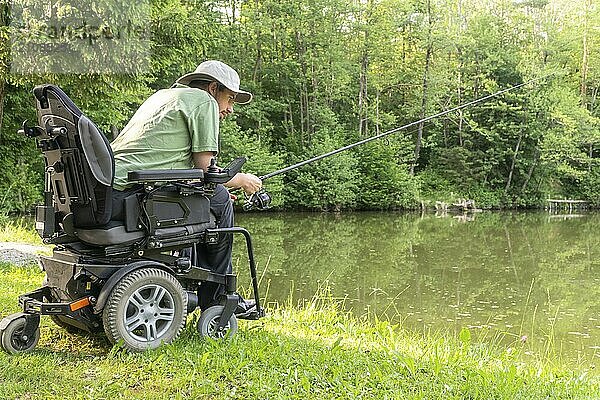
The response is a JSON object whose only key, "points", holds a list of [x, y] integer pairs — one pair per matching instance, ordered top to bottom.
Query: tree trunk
{"points": [[462, 29], [258, 34], [4, 54], [584, 60], [258, 62], [424, 88], [362, 94], [593, 98], [1, 99], [314, 100], [304, 111], [460, 112], [377, 113], [363, 117], [307, 119], [302, 120], [446, 122], [446, 128], [291, 131], [590, 155], [514, 162], [531, 168]]}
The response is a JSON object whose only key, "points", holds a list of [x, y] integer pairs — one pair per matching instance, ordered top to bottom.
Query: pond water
{"points": [[523, 279]]}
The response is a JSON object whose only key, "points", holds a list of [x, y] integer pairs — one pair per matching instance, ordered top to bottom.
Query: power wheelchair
{"points": [[125, 277]]}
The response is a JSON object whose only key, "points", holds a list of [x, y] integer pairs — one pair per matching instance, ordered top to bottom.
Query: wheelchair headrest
{"points": [[41, 94]]}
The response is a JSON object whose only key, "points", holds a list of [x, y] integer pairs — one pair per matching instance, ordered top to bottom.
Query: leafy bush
{"points": [[21, 165], [329, 184], [384, 184], [590, 187]]}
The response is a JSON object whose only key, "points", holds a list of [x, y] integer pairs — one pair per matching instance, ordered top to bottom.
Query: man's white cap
{"points": [[222, 73]]}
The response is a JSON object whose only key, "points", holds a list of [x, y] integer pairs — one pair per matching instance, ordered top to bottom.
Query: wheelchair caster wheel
{"points": [[145, 309], [209, 320], [11, 332]]}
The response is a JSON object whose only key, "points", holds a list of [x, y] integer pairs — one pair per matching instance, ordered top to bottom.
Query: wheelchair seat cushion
{"points": [[114, 233]]}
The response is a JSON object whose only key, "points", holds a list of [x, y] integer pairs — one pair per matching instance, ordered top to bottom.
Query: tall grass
{"points": [[18, 230]]}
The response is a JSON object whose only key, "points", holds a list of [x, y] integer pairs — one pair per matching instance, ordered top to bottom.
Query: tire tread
{"points": [[116, 296]]}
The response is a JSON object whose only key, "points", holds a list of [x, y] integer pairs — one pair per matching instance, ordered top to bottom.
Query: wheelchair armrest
{"points": [[165, 175], [216, 175]]}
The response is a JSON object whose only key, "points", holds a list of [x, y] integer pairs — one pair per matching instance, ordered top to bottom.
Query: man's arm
{"points": [[202, 159], [248, 182]]}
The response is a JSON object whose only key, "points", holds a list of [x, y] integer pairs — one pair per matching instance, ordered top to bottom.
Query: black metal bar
{"points": [[367, 140], [249, 247], [202, 274], [35, 303], [229, 306], [32, 323]]}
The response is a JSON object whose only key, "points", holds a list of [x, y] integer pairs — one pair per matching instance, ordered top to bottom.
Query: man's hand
{"points": [[248, 182]]}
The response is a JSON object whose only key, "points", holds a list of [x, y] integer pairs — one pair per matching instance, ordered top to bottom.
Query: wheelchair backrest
{"points": [[79, 161]]}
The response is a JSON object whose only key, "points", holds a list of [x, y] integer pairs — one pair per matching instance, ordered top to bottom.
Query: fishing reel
{"points": [[260, 200]]}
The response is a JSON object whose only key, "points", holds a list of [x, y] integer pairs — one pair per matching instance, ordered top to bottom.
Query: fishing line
{"points": [[370, 139], [294, 179], [262, 200]]}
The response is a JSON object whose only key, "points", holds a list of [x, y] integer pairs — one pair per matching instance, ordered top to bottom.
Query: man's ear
{"points": [[212, 88]]}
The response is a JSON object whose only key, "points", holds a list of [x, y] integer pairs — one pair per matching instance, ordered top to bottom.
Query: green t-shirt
{"points": [[165, 131]]}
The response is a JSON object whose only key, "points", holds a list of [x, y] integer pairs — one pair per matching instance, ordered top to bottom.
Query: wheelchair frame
{"points": [[107, 275]]}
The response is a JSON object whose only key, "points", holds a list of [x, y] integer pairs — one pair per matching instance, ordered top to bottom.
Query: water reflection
{"points": [[529, 276]]}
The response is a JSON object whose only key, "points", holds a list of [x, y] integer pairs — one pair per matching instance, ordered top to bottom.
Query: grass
{"points": [[21, 230], [311, 351]]}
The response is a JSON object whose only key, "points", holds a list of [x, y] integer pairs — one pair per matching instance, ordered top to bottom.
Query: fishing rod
{"points": [[261, 199]]}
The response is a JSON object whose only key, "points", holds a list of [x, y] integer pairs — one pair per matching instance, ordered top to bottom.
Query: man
{"points": [[178, 128]]}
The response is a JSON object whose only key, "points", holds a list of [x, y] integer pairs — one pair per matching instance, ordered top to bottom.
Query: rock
{"points": [[21, 253]]}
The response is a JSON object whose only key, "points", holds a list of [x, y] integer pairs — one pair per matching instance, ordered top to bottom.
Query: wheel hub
{"points": [[150, 311], [213, 327]]}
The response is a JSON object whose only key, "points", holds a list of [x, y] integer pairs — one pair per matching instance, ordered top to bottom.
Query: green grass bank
{"points": [[313, 351]]}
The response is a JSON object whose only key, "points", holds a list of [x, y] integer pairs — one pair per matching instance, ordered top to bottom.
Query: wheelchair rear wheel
{"points": [[146, 308]]}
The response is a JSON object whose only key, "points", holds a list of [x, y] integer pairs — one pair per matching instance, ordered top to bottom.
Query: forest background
{"points": [[326, 73]]}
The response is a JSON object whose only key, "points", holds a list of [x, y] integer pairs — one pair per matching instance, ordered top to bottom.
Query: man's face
{"points": [[225, 98]]}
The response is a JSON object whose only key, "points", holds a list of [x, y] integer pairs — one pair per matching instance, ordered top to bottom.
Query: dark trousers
{"points": [[215, 257]]}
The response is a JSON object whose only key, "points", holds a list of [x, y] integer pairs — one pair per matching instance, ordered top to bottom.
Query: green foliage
{"points": [[328, 72], [21, 164], [383, 183], [329, 184], [590, 187], [488, 198]]}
